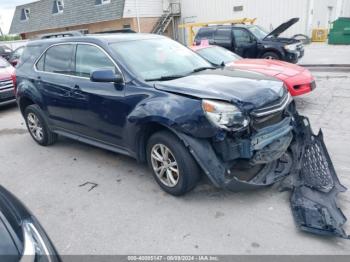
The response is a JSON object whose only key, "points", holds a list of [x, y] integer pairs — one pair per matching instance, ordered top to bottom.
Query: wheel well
{"points": [[24, 102], [147, 131]]}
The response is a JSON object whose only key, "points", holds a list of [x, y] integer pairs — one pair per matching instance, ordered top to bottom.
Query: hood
{"points": [[283, 27], [268, 67], [248, 90]]}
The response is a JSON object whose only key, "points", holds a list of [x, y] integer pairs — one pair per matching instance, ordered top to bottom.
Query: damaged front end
{"points": [[277, 146]]}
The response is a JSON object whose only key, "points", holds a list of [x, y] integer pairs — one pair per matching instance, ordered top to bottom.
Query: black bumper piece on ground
{"points": [[314, 185]]}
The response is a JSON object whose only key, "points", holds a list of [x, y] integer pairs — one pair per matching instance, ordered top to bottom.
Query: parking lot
{"points": [[92, 201]]}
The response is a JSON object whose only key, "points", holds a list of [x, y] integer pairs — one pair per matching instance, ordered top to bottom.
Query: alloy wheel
{"points": [[35, 126], [164, 165]]}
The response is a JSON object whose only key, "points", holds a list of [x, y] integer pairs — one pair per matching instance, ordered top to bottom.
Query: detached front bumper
{"points": [[287, 151]]}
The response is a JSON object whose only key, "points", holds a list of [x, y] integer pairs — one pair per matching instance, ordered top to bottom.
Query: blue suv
{"points": [[155, 100]]}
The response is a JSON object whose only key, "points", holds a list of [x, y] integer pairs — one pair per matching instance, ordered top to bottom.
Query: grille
{"points": [[6, 84], [273, 107], [270, 114], [316, 168]]}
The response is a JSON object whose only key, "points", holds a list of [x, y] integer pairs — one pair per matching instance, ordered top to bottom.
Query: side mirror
{"points": [[105, 76]]}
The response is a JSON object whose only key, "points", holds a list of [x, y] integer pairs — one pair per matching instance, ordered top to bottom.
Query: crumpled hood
{"points": [[268, 67], [244, 88]]}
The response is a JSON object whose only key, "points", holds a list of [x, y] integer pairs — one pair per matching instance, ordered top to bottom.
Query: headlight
{"points": [[291, 48], [224, 115]]}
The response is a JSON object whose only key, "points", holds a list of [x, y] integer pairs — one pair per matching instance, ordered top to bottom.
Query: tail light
{"points": [[13, 77]]}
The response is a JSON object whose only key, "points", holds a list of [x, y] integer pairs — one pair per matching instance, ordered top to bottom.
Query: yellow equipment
{"points": [[192, 33], [319, 35]]}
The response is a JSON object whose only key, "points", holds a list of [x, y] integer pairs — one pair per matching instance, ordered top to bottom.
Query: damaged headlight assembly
{"points": [[224, 115]]}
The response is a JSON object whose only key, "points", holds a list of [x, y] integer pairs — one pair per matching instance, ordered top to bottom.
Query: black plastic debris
{"points": [[315, 185]]}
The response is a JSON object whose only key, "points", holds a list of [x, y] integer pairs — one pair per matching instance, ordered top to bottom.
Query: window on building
{"points": [[102, 2], [58, 6], [238, 8], [25, 14], [90, 58], [58, 59]]}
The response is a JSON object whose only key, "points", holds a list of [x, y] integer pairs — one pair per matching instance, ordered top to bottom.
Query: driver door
{"points": [[245, 44], [99, 109]]}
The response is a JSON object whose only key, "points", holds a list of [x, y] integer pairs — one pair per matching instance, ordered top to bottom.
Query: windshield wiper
{"points": [[202, 68], [165, 78]]}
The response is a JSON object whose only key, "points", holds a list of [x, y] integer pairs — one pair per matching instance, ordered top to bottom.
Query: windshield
{"points": [[258, 31], [218, 55], [158, 58], [3, 63]]}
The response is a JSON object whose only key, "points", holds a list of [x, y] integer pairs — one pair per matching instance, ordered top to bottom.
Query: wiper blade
{"points": [[203, 68], [164, 78]]}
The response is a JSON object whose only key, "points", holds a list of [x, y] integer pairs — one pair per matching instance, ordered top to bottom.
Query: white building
{"points": [[269, 13]]}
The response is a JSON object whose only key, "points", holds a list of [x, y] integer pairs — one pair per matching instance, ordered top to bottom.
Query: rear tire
{"points": [[271, 56], [38, 127], [173, 167]]}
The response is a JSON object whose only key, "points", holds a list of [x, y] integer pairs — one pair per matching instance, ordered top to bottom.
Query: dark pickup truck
{"points": [[251, 41]]}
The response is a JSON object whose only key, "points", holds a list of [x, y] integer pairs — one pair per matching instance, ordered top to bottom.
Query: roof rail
{"points": [[61, 34]]}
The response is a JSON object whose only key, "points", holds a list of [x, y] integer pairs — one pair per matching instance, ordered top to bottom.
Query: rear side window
{"points": [[205, 33], [223, 34], [90, 58], [59, 59]]}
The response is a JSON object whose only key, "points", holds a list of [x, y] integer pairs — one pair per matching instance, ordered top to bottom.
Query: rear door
{"points": [[223, 37], [245, 43], [54, 81]]}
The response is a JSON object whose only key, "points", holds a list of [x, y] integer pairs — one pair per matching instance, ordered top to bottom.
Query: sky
{"points": [[7, 8]]}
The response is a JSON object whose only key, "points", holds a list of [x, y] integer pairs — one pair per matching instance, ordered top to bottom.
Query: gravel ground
{"points": [[127, 213]]}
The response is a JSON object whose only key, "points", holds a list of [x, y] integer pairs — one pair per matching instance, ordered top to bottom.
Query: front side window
{"points": [[258, 32], [242, 36], [218, 55], [90, 58], [157, 58], [59, 59]]}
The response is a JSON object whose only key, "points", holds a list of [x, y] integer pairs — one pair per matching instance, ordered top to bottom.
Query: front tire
{"points": [[271, 56], [38, 127], [173, 167]]}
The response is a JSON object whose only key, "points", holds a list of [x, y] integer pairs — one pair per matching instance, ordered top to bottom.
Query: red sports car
{"points": [[298, 79], [7, 82]]}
